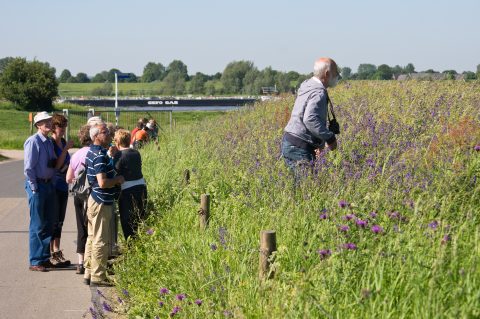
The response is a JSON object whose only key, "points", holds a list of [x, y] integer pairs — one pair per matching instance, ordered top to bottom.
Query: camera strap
{"points": [[329, 102]]}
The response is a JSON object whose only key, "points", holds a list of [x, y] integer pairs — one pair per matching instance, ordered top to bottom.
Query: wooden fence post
{"points": [[204, 212], [268, 244]]}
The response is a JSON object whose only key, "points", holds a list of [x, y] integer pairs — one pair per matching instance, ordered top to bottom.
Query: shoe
{"points": [[58, 260], [48, 264], [38, 268], [80, 270], [86, 281], [103, 283]]}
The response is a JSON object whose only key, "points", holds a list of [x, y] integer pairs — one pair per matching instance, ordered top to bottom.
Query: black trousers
{"points": [[132, 207], [61, 209], [82, 221]]}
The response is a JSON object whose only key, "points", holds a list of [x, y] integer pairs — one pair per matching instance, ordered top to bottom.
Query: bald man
{"points": [[307, 128]]}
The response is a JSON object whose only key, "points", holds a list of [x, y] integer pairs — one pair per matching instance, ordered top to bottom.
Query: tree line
{"points": [[33, 85]]}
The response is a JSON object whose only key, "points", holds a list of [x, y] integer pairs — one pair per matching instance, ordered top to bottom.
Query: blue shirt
{"points": [[38, 152], [97, 161], [61, 180]]}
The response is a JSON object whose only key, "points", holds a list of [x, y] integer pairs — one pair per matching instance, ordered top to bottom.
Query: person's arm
{"points": [[315, 118], [63, 155], [30, 161], [70, 175], [104, 182]]}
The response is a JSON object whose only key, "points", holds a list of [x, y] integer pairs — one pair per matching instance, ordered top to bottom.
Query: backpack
{"points": [[80, 186]]}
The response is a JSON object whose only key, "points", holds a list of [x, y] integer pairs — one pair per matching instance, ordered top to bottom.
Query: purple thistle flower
{"points": [[477, 148], [343, 204], [373, 214], [394, 215], [323, 216], [349, 217], [361, 223], [433, 225], [344, 228], [377, 229], [150, 231], [445, 239], [350, 246], [213, 247], [324, 253], [164, 291], [125, 292], [180, 297], [198, 302], [161, 304], [106, 307], [175, 310]]}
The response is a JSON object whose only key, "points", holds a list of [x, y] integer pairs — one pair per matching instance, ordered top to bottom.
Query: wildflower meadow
{"points": [[387, 226]]}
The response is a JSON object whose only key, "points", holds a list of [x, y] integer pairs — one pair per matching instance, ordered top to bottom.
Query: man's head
{"points": [[326, 70], [43, 122], [100, 134]]}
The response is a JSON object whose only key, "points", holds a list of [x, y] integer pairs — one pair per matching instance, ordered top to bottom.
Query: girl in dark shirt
{"points": [[133, 197]]}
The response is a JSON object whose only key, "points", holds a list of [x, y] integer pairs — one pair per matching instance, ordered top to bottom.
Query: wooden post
{"points": [[30, 118], [186, 176], [204, 210], [268, 244]]}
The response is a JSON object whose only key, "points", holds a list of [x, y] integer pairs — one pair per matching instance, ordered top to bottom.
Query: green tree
{"points": [[4, 62], [177, 66], [409, 68], [366, 71], [478, 71], [153, 72], [384, 72], [346, 73], [111, 75], [233, 75], [469, 75], [64, 76], [100, 77], [82, 78], [283, 82], [197, 83], [174, 84], [249, 84], [31, 85], [210, 87], [105, 90]]}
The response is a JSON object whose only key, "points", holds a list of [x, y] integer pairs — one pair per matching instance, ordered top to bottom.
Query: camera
{"points": [[333, 126]]}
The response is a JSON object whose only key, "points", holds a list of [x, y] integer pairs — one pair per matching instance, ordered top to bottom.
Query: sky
{"points": [[94, 35]]}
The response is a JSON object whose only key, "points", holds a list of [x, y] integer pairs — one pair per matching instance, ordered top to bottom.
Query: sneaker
{"points": [[58, 260], [48, 264], [38, 268], [80, 270], [103, 283]]}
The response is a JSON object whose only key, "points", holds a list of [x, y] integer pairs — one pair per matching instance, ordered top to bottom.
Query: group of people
{"points": [[114, 173]]}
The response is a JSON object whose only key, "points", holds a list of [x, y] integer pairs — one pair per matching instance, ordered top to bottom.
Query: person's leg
{"points": [[297, 159], [62, 199], [125, 207], [138, 214], [100, 218], [82, 233], [39, 237], [88, 245]]}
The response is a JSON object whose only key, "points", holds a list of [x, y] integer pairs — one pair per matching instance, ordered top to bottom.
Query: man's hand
{"points": [[69, 145], [331, 146], [119, 180]]}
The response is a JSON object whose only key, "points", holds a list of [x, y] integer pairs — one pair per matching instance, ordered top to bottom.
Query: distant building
{"points": [[423, 76]]}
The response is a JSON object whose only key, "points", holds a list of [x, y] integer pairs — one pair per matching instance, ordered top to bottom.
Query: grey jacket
{"points": [[309, 116]]}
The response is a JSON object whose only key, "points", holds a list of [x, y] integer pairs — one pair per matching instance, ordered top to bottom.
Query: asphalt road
{"points": [[27, 294]]}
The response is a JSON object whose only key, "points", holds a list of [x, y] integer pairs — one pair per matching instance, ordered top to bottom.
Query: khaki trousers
{"points": [[98, 245]]}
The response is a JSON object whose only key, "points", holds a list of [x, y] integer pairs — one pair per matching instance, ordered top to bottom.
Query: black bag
{"points": [[80, 186]]}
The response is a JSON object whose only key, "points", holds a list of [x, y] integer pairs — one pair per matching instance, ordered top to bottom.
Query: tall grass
{"points": [[387, 226]]}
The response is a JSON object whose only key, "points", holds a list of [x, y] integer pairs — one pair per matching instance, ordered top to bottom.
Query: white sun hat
{"points": [[41, 116]]}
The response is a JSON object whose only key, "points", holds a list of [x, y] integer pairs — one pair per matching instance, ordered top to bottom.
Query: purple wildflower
{"points": [[477, 148], [343, 204], [373, 214], [394, 215], [323, 216], [349, 217], [361, 223], [433, 225], [344, 228], [377, 229], [150, 231], [222, 234], [445, 239], [350, 246], [213, 247], [324, 253], [164, 291], [125, 292], [100, 293], [180, 297], [120, 300], [198, 302], [161, 304], [106, 307], [175, 310], [93, 313]]}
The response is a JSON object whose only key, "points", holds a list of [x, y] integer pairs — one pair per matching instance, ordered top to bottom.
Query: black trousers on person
{"points": [[132, 207], [61, 209], [82, 221]]}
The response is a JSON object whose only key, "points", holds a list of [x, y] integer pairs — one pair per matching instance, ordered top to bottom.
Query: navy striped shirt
{"points": [[97, 161]]}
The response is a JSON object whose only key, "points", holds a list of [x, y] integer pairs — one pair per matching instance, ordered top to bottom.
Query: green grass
{"points": [[405, 153]]}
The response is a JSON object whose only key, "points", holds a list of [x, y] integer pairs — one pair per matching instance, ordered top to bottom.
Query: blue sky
{"points": [[94, 35]]}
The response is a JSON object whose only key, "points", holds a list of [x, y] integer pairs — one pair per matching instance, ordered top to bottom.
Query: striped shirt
{"points": [[98, 162]]}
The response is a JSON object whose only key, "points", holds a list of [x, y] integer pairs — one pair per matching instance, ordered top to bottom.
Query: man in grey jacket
{"points": [[307, 128]]}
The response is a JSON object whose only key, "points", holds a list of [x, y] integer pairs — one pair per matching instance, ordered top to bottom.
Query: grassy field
{"points": [[387, 226]]}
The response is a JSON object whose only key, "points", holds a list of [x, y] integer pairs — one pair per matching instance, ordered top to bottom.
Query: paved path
{"points": [[23, 293]]}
